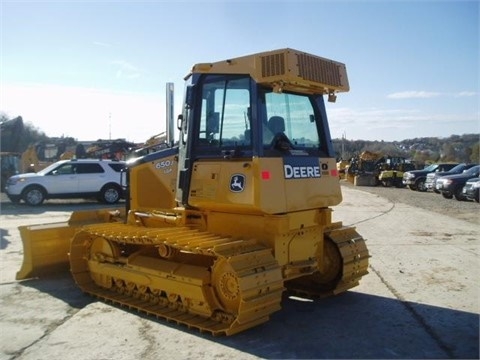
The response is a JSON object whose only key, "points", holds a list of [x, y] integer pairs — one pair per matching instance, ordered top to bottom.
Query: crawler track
{"points": [[346, 262], [213, 284]]}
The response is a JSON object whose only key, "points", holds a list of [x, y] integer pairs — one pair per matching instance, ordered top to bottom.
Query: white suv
{"points": [[82, 178]]}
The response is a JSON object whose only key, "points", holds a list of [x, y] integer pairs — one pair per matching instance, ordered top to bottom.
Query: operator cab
{"points": [[238, 118], [254, 135], [246, 148]]}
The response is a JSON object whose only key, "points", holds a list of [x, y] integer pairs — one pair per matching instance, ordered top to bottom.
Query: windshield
{"points": [[431, 167], [457, 168], [473, 170]]}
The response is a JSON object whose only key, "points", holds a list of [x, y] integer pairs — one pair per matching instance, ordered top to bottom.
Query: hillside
{"points": [[458, 148]]}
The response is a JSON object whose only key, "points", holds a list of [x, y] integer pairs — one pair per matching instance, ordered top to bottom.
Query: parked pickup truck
{"points": [[415, 179], [431, 180], [452, 185]]}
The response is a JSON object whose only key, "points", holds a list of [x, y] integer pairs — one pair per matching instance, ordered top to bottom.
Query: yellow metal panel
{"points": [[285, 69], [156, 184], [210, 186], [265, 187], [310, 193], [295, 238], [46, 246], [45, 249]]}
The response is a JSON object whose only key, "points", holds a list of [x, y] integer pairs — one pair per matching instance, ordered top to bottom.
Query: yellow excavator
{"points": [[217, 226]]}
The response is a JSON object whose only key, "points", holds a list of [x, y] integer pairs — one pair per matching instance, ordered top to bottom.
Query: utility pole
{"points": [[109, 126]]}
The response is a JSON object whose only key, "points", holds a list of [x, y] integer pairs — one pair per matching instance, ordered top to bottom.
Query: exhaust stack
{"points": [[169, 116]]}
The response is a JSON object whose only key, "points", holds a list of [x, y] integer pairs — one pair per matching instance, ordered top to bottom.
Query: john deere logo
{"points": [[301, 168], [237, 183]]}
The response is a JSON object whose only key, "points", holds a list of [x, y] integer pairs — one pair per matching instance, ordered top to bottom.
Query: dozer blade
{"points": [[46, 246]]}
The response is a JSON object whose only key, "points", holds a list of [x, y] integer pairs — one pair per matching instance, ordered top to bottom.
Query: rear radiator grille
{"points": [[273, 65], [310, 68], [318, 70]]}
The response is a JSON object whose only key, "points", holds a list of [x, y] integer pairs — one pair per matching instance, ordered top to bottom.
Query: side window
{"points": [[292, 115], [224, 121], [117, 167], [92, 168], [65, 169]]}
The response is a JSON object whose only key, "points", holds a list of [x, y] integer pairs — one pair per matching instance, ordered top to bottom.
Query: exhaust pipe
{"points": [[169, 116]]}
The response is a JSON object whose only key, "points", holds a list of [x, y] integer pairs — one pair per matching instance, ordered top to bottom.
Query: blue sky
{"points": [[98, 69]]}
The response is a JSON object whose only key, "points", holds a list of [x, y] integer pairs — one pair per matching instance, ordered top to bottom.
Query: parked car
{"points": [[82, 178], [415, 179], [431, 179], [452, 185], [470, 190]]}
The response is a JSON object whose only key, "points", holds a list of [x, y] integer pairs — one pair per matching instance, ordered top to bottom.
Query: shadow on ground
{"points": [[352, 325]]}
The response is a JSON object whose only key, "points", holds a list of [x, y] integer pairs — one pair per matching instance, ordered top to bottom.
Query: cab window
{"points": [[291, 115], [224, 119]]}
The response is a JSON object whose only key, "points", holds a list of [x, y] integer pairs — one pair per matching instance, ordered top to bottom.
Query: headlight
{"points": [[409, 175], [15, 180], [447, 182], [477, 184]]}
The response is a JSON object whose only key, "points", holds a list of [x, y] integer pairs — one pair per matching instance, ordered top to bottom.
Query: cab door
{"points": [[62, 179]]}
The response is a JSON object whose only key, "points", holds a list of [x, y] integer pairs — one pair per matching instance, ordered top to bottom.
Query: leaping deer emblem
{"points": [[237, 183]]}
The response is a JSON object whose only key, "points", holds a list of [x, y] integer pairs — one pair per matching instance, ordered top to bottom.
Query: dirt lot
{"points": [[464, 210], [420, 299]]}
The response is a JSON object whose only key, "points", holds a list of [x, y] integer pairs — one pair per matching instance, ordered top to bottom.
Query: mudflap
{"points": [[46, 246]]}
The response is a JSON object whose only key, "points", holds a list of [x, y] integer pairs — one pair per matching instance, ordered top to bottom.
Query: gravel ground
{"points": [[464, 210]]}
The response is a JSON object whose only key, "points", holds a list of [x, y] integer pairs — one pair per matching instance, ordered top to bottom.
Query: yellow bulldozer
{"points": [[34, 158], [374, 168], [362, 170], [217, 227]]}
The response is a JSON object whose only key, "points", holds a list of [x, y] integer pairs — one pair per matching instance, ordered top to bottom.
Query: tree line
{"points": [[455, 148]]}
